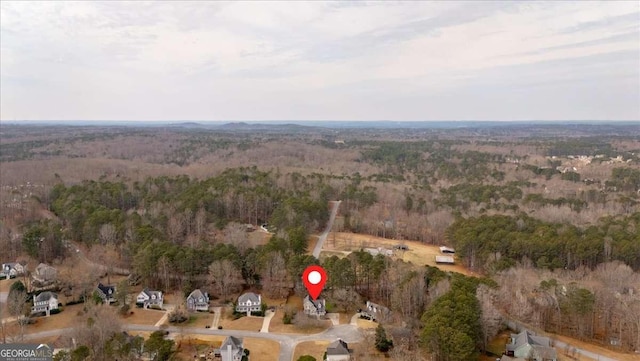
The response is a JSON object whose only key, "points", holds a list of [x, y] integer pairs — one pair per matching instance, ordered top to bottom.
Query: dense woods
{"points": [[552, 219]]}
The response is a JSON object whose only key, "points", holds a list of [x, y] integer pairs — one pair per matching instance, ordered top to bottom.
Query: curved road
{"points": [[323, 235], [288, 342]]}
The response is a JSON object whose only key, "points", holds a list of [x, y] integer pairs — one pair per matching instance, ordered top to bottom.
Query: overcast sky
{"points": [[556, 60]]}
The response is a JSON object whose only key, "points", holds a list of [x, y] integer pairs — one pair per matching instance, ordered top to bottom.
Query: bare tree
{"points": [[107, 234], [236, 234], [226, 276], [491, 319]]}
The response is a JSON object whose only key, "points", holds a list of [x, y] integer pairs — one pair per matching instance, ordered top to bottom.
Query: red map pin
{"points": [[314, 278]]}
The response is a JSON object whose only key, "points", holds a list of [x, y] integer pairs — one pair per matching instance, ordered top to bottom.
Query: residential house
{"points": [[445, 249], [11, 270], [44, 274], [107, 293], [148, 298], [198, 301], [45, 302], [249, 302], [314, 307], [376, 312], [530, 347], [232, 349], [338, 351]]}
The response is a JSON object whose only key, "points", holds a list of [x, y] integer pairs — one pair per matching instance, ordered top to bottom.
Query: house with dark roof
{"points": [[11, 270], [107, 293], [148, 298], [198, 301], [45, 302], [249, 302], [315, 307], [376, 312], [531, 347], [232, 349], [338, 351]]}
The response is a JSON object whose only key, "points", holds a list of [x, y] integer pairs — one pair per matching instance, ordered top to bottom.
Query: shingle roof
{"points": [[105, 289], [197, 294], [46, 296], [249, 296], [318, 303], [235, 342], [338, 347]]}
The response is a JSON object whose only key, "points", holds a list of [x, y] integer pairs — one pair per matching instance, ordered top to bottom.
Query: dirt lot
{"points": [[418, 253], [366, 324]]}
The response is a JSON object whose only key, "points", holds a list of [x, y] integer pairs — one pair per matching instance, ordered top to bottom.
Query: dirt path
{"points": [[323, 235]]}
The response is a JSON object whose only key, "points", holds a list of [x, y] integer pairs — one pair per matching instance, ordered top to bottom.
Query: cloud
{"points": [[315, 60]]}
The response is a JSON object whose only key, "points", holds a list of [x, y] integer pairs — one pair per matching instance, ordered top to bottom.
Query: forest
{"points": [[548, 221]]}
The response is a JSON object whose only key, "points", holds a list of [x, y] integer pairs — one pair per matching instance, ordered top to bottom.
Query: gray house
{"points": [[107, 293], [148, 298], [198, 301], [45, 302], [249, 302], [314, 307], [530, 347], [232, 349], [338, 351]]}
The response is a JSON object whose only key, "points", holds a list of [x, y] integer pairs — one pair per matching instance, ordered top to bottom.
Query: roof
{"points": [[445, 249], [8, 266], [106, 289], [150, 293], [196, 294], [46, 296], [249, 296], [317, 303], [526, 337], [235, 342], [338, 347], [544, 352]]}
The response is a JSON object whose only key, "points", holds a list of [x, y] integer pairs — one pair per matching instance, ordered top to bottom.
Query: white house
{"points": [[148, 298], [45, 302], [249, 302]]}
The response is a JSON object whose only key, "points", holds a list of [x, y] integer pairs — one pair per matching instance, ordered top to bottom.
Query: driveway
{"points": [[323, 235]]}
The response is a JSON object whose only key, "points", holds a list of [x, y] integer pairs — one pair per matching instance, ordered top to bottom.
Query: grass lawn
{"points": [[5, 284], [141, 316], [67, 318], [198, 319], [246, 323], [366, 324], [277, 326], [313, 348], [260, 349], [369, 353]]}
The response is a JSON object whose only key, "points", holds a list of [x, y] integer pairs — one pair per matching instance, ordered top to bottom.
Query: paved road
{"points": [[323, 235], [287, 342]]}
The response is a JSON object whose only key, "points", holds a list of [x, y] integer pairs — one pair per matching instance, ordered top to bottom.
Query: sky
{"points": [[294, 60]]}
